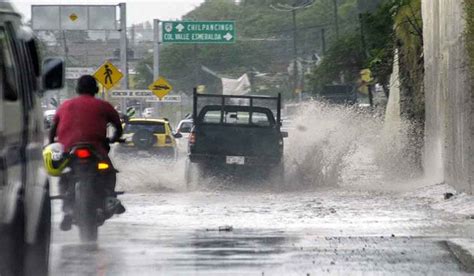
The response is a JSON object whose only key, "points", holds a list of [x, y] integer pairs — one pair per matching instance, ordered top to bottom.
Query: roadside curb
{"points": [[463, 249]]}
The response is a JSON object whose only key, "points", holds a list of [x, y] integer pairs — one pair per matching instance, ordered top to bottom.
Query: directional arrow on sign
{"points": [[180, 27], [204, 32], [228, 36]]}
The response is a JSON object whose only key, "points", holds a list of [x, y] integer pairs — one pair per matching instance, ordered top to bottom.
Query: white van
{"points": [[25, 210]]}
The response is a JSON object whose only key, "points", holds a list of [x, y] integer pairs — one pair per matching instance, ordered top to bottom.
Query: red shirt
{"points": [[84, 119]]}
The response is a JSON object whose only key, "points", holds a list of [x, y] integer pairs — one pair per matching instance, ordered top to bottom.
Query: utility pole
{"points": [[297, 5], [336, 17], [132, 36], [323, 41], [156, 49], [123, 50], [366, 53], [156, 54], [295, 55], [66, 57], [197, 66]]}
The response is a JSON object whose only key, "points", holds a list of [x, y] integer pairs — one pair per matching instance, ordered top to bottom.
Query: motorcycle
{"points": [[88, 200]]}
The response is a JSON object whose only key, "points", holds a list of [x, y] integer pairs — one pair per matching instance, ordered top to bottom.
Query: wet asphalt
{"points": [[226, 232]]}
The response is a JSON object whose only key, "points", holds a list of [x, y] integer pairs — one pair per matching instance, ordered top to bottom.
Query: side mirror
{"points": [[53, 73], [284, 134], [178, 135]]}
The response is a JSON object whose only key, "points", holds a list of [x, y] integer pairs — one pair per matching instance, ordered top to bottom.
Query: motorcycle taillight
{"points": [[82, 153]]}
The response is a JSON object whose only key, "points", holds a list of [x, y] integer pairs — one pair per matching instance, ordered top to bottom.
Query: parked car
{"points": [[48, 118], [184, 128], [153, 136], [25, 209]]}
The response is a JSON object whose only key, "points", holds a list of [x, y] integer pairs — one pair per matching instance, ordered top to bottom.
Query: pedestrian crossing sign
{"points": [[108, 75]]}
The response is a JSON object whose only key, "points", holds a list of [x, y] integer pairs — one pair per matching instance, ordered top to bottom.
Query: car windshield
{"points": [[154, 127]]}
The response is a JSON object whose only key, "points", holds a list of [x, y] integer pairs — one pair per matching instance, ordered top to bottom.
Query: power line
{"points": [[297, 5]]}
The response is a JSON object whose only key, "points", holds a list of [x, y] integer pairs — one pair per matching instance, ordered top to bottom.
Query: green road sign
{"points": [[218, 32]]}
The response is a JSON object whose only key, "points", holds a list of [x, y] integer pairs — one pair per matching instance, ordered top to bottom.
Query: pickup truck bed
{"points": [[236, 135]]}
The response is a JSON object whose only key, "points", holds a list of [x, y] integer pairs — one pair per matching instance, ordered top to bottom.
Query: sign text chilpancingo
{"points": [[219, 32]]}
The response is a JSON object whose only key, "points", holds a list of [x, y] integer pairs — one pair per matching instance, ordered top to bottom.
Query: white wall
{"points": [[449, 135]]}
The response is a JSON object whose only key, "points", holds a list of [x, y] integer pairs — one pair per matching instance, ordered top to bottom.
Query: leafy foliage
{"points": [[469, 33], [409, 35], [264, 42], [368, 45], [345, 58]]}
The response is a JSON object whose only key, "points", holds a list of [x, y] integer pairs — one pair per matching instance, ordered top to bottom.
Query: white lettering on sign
{"points": [[73, 73], [144, 94], [166, 99]]}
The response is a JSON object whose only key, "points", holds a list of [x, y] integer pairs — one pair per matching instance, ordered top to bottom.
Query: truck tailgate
{"points": [[236, 141]]}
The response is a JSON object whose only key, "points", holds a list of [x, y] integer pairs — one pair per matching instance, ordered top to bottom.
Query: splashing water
{"points": [[323, 140], [327, 146], [145, 173]]}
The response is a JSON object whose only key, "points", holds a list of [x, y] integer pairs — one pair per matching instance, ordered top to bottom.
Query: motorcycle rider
{"points": [[84, 119]]}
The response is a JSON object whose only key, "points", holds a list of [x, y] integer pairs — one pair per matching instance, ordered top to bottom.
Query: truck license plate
{"points": [[238, 160]]}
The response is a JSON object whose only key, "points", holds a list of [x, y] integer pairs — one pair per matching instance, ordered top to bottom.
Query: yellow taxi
{"points": [[151, 135]]}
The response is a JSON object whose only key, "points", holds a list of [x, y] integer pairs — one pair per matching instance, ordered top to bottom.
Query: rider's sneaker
{"points": [[114, 206], [120, 209], [66, 224]]}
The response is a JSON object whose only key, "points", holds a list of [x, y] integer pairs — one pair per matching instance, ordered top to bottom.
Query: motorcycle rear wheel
{"points": [[86, 211]]}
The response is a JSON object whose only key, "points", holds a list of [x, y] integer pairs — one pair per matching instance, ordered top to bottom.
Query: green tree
{"points": [[264, 41]]}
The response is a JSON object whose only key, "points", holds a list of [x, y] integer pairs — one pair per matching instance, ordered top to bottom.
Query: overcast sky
{"points": [[138, 11]]}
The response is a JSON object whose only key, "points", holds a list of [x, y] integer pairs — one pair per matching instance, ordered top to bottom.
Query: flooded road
{"points": [[347, 206], [330, 231]]}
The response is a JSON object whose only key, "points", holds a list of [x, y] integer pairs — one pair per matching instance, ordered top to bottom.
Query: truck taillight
{"points": [[192, 138]]}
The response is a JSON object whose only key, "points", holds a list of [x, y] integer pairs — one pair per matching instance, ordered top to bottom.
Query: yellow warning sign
{"points": [[73, 17], [108, 75], [366, 75], [365, 80], [160, 88], [201, 89]]}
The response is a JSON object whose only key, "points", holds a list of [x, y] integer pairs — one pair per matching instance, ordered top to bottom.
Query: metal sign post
{"points": [[74, 18], [156, 49], [123, 50], [156, 53]]}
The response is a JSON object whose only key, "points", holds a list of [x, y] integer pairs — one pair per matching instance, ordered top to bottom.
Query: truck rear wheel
{"points": [[192, 175], [277, 176]]}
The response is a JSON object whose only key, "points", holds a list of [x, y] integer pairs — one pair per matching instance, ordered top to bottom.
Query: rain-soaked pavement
{"points": [[344, 208], [329, 231]]}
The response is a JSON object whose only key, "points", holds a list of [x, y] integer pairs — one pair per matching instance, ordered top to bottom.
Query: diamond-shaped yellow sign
{"points": [[73, 17], [108, 75], [160, 88]]}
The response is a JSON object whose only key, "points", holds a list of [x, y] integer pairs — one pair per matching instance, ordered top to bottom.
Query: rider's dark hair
{"points": [[87, 84]]}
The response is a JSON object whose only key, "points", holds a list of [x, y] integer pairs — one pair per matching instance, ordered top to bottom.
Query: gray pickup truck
{"points": [[235, 134]]}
